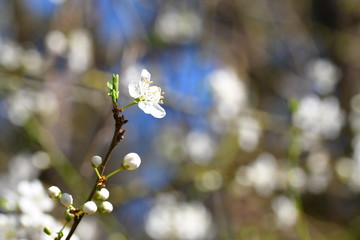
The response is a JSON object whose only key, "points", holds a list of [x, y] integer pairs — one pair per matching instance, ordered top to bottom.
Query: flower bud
{"points": [[96, 161], [131, 161], [54, 192], [102, 194], [66, 199], [89, 207], [105, 207], [69, 216], [47, 231]]}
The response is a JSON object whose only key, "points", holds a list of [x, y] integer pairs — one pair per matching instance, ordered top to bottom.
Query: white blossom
{"points": [[56, 42], [324, 74], [229, 91], [147, 97], [320, 117], [249, 131], [200, 146], [263, 174], [285, 211], [173, 219]]}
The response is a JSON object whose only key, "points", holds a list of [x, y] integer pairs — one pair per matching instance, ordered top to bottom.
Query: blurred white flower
{"points": [[178, 26], [56, 42], [80, 50], [10, 56], [32, 61], [324, 74], [229, 92], [147, 97], [23, 103], [20, 105], [319, 117], [249, 131], [200, 146], [41, 160], [131, 161], [318, 162], [344, 168], [320, 172], [263, 174], [296, 178], [209, 181], [317, 183], [33, 197], [25, 203], [285, 212], [171, 219]]}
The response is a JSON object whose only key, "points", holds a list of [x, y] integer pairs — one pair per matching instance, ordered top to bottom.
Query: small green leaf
{"points": [[114, 89], [60, 234]]}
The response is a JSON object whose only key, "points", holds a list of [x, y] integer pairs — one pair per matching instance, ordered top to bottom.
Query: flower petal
{"points": [[145, 75], [134, 89], [145, 106], [157, 111]]}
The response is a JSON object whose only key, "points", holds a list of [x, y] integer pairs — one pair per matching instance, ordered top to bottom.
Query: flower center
{"points": [[152, 94]]}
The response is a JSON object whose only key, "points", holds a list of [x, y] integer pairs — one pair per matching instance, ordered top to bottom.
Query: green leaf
{"points": [[110, 85], [114, 89], [60, 234]]}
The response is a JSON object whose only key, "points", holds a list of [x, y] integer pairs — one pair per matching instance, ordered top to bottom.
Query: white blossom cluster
{"points": [[26, 102], [24, 203], [173, 219]]}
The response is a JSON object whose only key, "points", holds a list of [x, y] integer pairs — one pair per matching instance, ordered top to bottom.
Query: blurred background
{"points": [[262, 134]]}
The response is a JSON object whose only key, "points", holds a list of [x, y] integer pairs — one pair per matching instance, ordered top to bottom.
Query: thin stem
{"points": [[126, 106], [114, 172], [97, 173], [62, 229]]}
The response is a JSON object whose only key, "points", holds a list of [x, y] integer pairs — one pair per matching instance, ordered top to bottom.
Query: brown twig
{"points": [[117, 137]]}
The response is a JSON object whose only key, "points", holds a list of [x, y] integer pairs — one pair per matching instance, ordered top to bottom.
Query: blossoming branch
{"points": [[148, 98]]}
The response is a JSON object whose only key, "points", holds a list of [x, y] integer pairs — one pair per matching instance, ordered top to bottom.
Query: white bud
{"points": [[96, 161], [131, 161], [54, 192], [102, 194], [66, 199], [89, 207], [105, 207]]}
